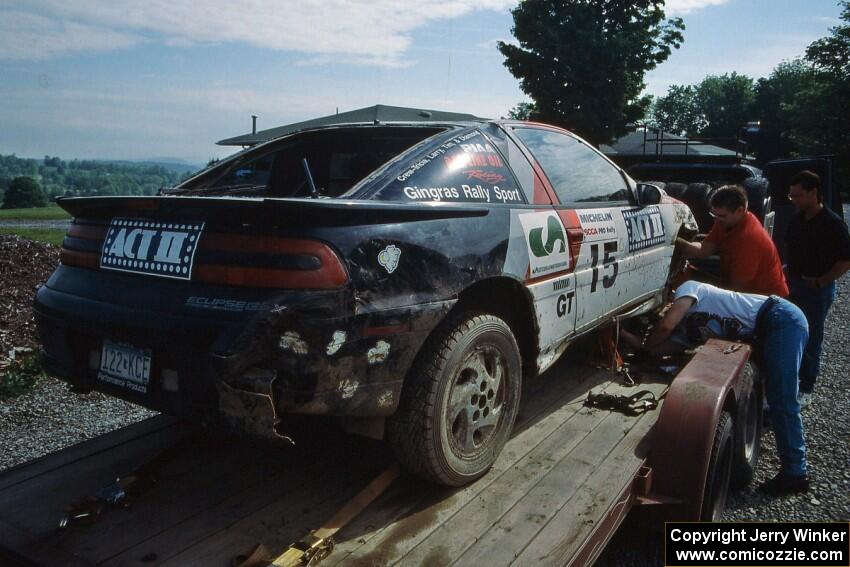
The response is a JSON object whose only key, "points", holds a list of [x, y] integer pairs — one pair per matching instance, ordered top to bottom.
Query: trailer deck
{"points": [[567, 471]]}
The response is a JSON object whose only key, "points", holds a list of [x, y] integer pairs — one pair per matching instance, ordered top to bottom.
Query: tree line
{"points": [[582, 63], [42, 180]]}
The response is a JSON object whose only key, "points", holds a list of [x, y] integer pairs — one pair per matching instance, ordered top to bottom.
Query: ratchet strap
{"points": [[636, 404], [319, 543]]}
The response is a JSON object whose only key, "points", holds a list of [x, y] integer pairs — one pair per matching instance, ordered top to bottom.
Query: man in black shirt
{"points": [[818, 253]]}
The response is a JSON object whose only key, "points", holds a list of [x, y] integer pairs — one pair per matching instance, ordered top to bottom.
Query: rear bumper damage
{"points": [[247, 373]]}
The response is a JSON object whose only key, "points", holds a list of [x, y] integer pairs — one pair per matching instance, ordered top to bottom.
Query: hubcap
{"points": [[475, 400]]}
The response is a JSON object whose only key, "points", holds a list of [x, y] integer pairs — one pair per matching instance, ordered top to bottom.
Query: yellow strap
{"points": [[295, 555]]}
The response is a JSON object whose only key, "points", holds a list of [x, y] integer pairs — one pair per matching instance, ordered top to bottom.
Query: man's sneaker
{"points": [[804, 399], [784, 483]]}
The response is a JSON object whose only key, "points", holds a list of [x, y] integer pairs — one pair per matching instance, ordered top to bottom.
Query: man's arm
{"points": [[702, 249], [838, 269], [664, 328]]}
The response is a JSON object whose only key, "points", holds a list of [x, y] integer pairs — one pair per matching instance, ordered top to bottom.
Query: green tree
{"points": [[582, 62], [774, 96], [726, 102], [523, 111], [677, 112], [820, 112], [23, 192]]}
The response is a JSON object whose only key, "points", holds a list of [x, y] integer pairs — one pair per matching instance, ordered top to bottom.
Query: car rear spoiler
{"points": [[292, 212]]}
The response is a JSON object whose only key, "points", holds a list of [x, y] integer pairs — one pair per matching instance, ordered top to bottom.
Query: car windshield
{"points": [[335, 158]]}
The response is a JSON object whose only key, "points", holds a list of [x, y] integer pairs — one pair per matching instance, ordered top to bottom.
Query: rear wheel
{"points": [[459, 401], [719, 471]]}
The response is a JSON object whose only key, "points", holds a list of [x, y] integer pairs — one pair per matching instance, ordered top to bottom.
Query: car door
{"points": [[589, 186]]}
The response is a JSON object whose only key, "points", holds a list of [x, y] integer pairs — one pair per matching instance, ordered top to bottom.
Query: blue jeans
{"points": [[815, 304], [784, 335]]}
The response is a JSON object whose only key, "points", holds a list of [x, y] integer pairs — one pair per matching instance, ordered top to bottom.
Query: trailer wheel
{"points": [[459, 401], [748, 429], [719, 471]]}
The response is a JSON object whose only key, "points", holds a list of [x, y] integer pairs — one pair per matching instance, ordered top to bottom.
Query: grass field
{"points": [[38, 213], [49, 235]]}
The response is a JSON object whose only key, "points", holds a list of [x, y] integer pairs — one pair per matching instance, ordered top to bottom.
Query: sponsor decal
{"points": [[439, 151], [490, 177], [467, 193], [597, 224], [645, 227], [546, 241], [164, 249], [389, 257], [561, 285], [564, 303]]}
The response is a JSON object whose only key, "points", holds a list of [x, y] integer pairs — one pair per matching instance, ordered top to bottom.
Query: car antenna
{"points": [[314, 193]]}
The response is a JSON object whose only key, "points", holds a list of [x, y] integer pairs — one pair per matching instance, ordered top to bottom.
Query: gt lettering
{"points": [[608, 261], [565, 303]]}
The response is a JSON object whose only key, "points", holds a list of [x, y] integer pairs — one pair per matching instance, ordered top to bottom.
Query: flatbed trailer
{"points": [[557, 493]]}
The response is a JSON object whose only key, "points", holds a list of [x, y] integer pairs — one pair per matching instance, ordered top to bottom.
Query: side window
{"points": [[464, 169], [577, 173]]}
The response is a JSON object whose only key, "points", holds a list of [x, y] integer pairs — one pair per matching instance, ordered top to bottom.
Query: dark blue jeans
{"points": [[815, 304], [784, 335]]}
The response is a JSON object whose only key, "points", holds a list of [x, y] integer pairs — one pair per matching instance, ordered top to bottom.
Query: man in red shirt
{"points": [[749, 262]]}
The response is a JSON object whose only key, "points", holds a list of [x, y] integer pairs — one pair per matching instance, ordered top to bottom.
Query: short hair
{"points": [[806, 179], [729, 197]]}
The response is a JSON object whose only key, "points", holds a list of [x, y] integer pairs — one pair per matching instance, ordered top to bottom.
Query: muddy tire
{"points": [[675, 190], [697, 197], [459, 401], [748, 429], [719, 470]]}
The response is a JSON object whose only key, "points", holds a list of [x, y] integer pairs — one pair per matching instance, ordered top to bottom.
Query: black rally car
{"points": [[403, 277]]}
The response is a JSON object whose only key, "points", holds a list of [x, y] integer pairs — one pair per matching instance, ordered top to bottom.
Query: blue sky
{"points": [[167, 78]]}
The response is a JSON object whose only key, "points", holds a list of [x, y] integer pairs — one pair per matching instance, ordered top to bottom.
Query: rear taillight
{"points": [[81, 246], [267, 261]]}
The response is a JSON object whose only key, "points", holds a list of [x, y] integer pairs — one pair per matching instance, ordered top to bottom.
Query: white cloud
{"points": [[681, 7], [375, 32], [31, 36]]}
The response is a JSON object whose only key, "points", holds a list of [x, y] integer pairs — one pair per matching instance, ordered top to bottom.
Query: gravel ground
{"points": [[51, 417]]}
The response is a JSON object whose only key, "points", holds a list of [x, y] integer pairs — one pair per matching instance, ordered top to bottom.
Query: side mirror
{"points": [[648, 194]]}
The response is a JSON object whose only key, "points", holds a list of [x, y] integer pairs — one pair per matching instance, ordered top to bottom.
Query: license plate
{"points": [[125, 365]]}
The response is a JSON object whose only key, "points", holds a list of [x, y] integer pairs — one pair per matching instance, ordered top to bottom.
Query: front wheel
{"points": [[459, 401]]}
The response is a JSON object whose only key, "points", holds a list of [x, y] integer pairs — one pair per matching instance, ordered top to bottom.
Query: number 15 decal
{"points": [[608, 261]]}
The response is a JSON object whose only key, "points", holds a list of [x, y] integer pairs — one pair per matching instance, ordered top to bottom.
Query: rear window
{"points": [[337, 160], [464, 169]]}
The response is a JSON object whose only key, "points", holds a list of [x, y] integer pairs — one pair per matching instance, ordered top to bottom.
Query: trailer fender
{"points": [[684, 432]]}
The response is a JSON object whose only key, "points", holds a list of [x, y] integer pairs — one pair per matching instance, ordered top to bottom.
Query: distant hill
{"points": [[171, 164], [59, 177]]}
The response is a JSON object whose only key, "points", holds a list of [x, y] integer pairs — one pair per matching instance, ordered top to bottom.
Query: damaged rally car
{"points": [[403, 277]]}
